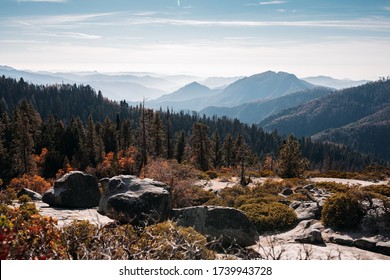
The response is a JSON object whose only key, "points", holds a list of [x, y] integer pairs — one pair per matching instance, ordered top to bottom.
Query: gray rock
{"points": [[308, 187], [74, 190], [287, 192], [33, 195], [129, 199], [308, 211], [376, 219], [230, 224], [309, 231], [311, 236], [341, 240], [364, 244], [383, 248]]}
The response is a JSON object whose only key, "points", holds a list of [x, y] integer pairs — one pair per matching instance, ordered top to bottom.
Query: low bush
{"points": [[212, 174], [35, 183], [332, 187], [379, 189], [23, 199], [342, 211], [270, 216], [25, 235]]}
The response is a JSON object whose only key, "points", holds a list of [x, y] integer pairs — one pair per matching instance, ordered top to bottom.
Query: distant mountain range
{"points": [[333, 83], [260, 87], [254, 112], [358, 117]]}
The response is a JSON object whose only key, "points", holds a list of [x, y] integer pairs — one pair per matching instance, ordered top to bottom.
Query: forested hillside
{"points": [[357, 117], [48, 128]]}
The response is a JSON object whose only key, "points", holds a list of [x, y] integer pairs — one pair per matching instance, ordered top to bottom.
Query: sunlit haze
{"points": [[342, 39]]}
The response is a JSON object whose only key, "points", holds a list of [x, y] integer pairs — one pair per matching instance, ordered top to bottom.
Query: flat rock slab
{"points": [[67, 216]]}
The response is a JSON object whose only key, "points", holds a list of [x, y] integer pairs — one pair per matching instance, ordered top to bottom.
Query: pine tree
{"points": [[25, 131], [109, 136], [157, 136], [74, 137], [126, 138], [91, 143], [201, 145], [180, 146], [216, 149], [170, 150], [227, 150], [291, 162]]}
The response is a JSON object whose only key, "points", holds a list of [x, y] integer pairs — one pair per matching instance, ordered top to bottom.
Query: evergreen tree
{"points": [[26, 128], [169, 135], [109, 136], [157, 136], [126, 137], [74, 138], [91, 143], [201, 145], [180, 146], [216, 149], [227, 150], [291, 162]]}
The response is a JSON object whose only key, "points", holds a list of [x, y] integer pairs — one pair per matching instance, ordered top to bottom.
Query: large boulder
{"points": [[74, 190], [129, 199], [229, 224]]}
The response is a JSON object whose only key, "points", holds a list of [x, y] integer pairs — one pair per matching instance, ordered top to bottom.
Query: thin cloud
{"points": [[49, 1], [271, 2], [387, 8], [331, 24]]}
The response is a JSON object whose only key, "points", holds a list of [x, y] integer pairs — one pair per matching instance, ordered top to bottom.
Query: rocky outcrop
{"points": [[74, 190], [286, 192], [33, 195], [129, 199], [307, 210], [376, 219], [229, 224], [309, 232], [383, 248]]}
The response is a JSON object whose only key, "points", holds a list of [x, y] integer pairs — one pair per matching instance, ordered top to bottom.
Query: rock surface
{"points": [[74, 190], [33, 195], [129, 199], [307, 210], [230, 224], [309, 232], [383, 248]]}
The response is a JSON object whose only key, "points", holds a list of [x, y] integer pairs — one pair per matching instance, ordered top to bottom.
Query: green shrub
{"points": [[212, 174], [332, 187], [379, 189], [23, 199], [342, 211], [270, 217]]}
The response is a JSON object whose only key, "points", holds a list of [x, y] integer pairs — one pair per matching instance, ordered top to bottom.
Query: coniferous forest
{"points": [[49, 128]]}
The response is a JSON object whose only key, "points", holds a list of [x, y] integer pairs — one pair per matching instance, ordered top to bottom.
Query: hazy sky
{"points": [[343, 39]]}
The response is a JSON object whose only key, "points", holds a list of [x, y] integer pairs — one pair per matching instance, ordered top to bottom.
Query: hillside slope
{"points": [[360, 111], [255, 112]]}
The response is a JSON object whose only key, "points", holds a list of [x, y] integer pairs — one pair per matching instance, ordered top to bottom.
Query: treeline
{"points": [[47, 128]]}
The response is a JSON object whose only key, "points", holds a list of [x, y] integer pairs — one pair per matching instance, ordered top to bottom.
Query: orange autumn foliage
{"points": [[35, 183]]}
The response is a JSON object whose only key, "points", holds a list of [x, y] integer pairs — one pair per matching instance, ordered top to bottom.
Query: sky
{"points": [[338, 38]]}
